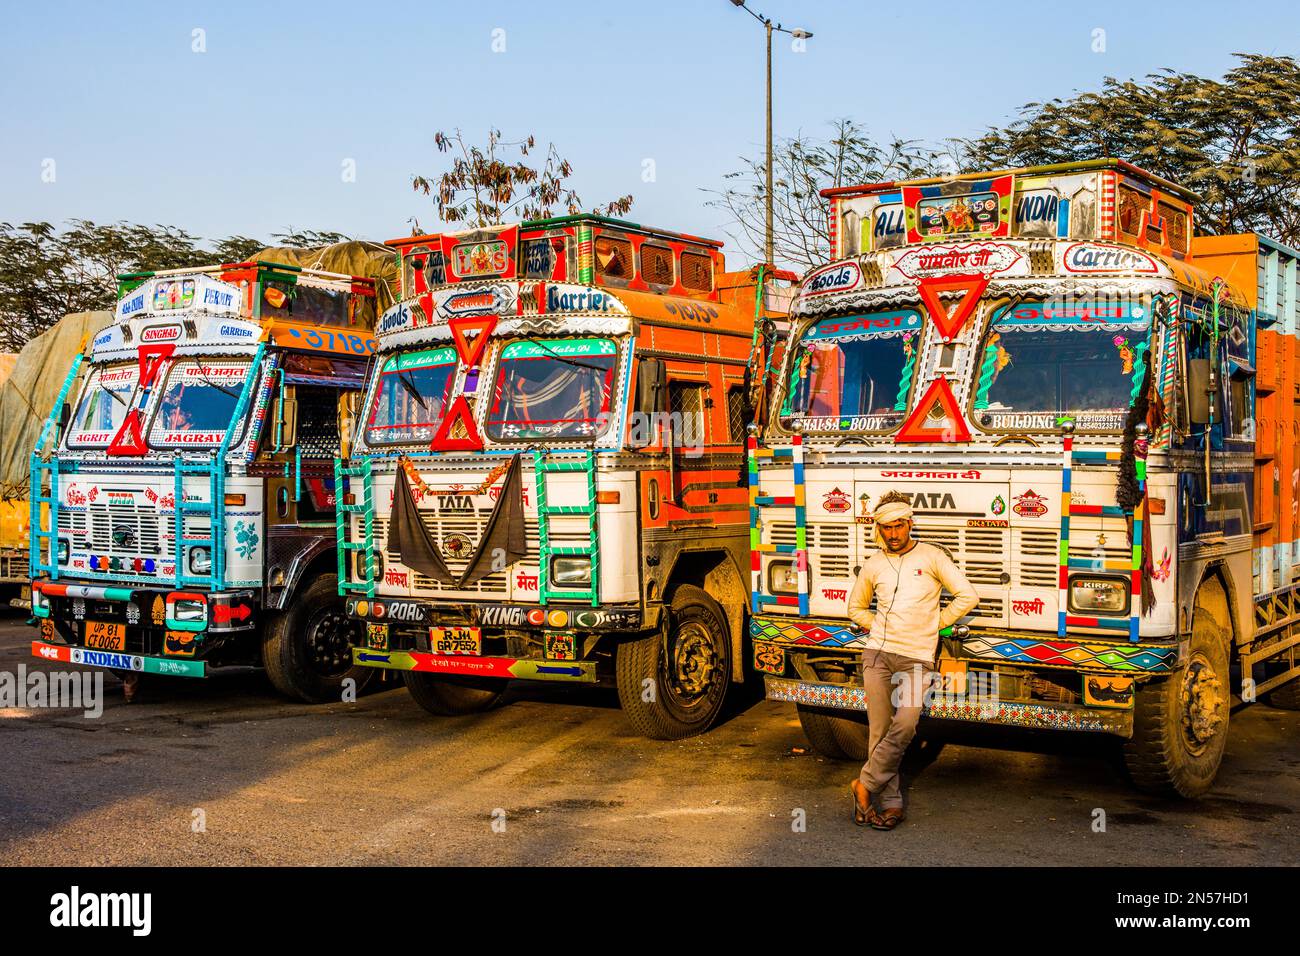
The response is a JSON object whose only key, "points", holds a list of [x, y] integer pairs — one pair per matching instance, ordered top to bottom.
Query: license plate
{"points": [[105, 636], [457, 640]]}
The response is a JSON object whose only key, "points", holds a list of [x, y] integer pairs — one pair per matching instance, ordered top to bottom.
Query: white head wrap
{"points": [[893, 511]]}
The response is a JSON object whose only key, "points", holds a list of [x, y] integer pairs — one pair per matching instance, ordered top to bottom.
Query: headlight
{"points": [[64, 550], [200, 560], [376, 562], [571, 572], [782, 578], [1108, 595], [189, 611]]}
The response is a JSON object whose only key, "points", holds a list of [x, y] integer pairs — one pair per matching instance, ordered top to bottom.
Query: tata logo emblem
{"points": [[836, 501], [1030, 505], [457, 545]]}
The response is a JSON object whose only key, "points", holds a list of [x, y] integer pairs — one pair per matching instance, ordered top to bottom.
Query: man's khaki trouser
{"points": [[891, 728]]}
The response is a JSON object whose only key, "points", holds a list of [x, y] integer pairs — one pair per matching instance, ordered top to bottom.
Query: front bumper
{"points": [[149, 618], [118, 660], [508, 668], [1039, 715]]}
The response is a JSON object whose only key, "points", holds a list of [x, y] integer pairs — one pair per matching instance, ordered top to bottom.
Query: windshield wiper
{"points": [[567, 361], [207, 381], [412, 390], [112, 394]]}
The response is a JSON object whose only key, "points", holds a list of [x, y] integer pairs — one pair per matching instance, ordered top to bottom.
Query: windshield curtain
{"points": [[1041, 361], [854, 373], [554, 388], [411, 397], [198, 398], [104, 402]]}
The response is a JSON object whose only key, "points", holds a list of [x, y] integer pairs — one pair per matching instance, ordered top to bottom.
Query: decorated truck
{"points": [[1093, 411], [547, 480], [182, 500]]}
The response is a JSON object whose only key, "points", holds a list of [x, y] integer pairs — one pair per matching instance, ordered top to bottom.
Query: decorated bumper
{"points": [[117, 660], [508, 668], [1039, 715]]}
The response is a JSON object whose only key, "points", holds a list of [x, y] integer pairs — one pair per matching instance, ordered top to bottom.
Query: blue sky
{"points": [[250, 136]]}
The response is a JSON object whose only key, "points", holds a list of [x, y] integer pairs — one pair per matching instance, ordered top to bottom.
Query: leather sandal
{"points": [[860, 817], [887, 819]]}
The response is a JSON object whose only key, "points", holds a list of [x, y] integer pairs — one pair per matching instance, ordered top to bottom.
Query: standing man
{"points": [[906, 577]]}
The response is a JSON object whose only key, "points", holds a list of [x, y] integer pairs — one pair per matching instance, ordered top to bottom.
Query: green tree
{"points": [[1235, 141], [801, 168], [484, 188]]}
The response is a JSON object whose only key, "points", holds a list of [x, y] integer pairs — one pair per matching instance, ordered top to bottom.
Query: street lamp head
{"points": [[738, 3], [798, 34]]}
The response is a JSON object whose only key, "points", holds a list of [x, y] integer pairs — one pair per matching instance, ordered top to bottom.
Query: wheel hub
{"points": [[328, 648], [693, 662], [1203, 703]]}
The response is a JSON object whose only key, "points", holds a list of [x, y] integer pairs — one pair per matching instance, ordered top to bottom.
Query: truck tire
{"points": [[306, 649], [685, 672], [453, 696], [1286, 697], [1180, 723], [839, 736]]}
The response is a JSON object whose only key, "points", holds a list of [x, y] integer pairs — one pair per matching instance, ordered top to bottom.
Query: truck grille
{"points": [[471, 525], [123, 529]]}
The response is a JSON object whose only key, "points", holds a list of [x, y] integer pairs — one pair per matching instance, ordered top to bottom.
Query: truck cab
{"points": [[1061, 377], [547, 475], [182, 501]]}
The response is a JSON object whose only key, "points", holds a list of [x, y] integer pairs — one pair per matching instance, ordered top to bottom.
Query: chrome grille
{"points": [[140, 523], [471, 525], [828, 546]]}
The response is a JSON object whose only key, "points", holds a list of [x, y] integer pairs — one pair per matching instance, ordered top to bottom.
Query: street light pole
{"points": [[769, 242]]}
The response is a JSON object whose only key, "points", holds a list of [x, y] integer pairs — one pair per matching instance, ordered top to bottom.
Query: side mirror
{"points": [[652, 386], [1198, 391], [650, 402], [65, 416]]}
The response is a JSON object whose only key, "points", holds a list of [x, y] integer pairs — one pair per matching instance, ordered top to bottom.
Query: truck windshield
{"points": [[1042, 360], [854, 373], [553, 388], [410, 397], [198, 399], [104, 401]]}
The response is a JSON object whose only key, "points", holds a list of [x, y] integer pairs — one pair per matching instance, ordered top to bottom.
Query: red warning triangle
{"points": [[949, 324], [471, 352], [151, 360], [460, 412], [920, 427], [129, 439]]}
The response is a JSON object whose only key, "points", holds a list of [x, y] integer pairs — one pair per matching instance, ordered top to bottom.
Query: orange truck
{"points": [[1093, 409], [547, 479]]}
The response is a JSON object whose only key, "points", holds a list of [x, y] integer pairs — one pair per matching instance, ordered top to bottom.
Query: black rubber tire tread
{"points": [[281, 648], [636, 660], [454, 696], [1155, 756]]}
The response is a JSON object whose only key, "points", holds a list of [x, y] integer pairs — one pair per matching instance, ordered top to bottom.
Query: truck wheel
{"points": [[307, 649], [672, 685], [453, 696], [1286, 697], [1180, 723], [835, 735], [841, 736]]}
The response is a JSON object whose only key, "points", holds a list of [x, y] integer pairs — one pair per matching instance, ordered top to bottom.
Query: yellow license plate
{"points": [[106, 636], [457, 640]]}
